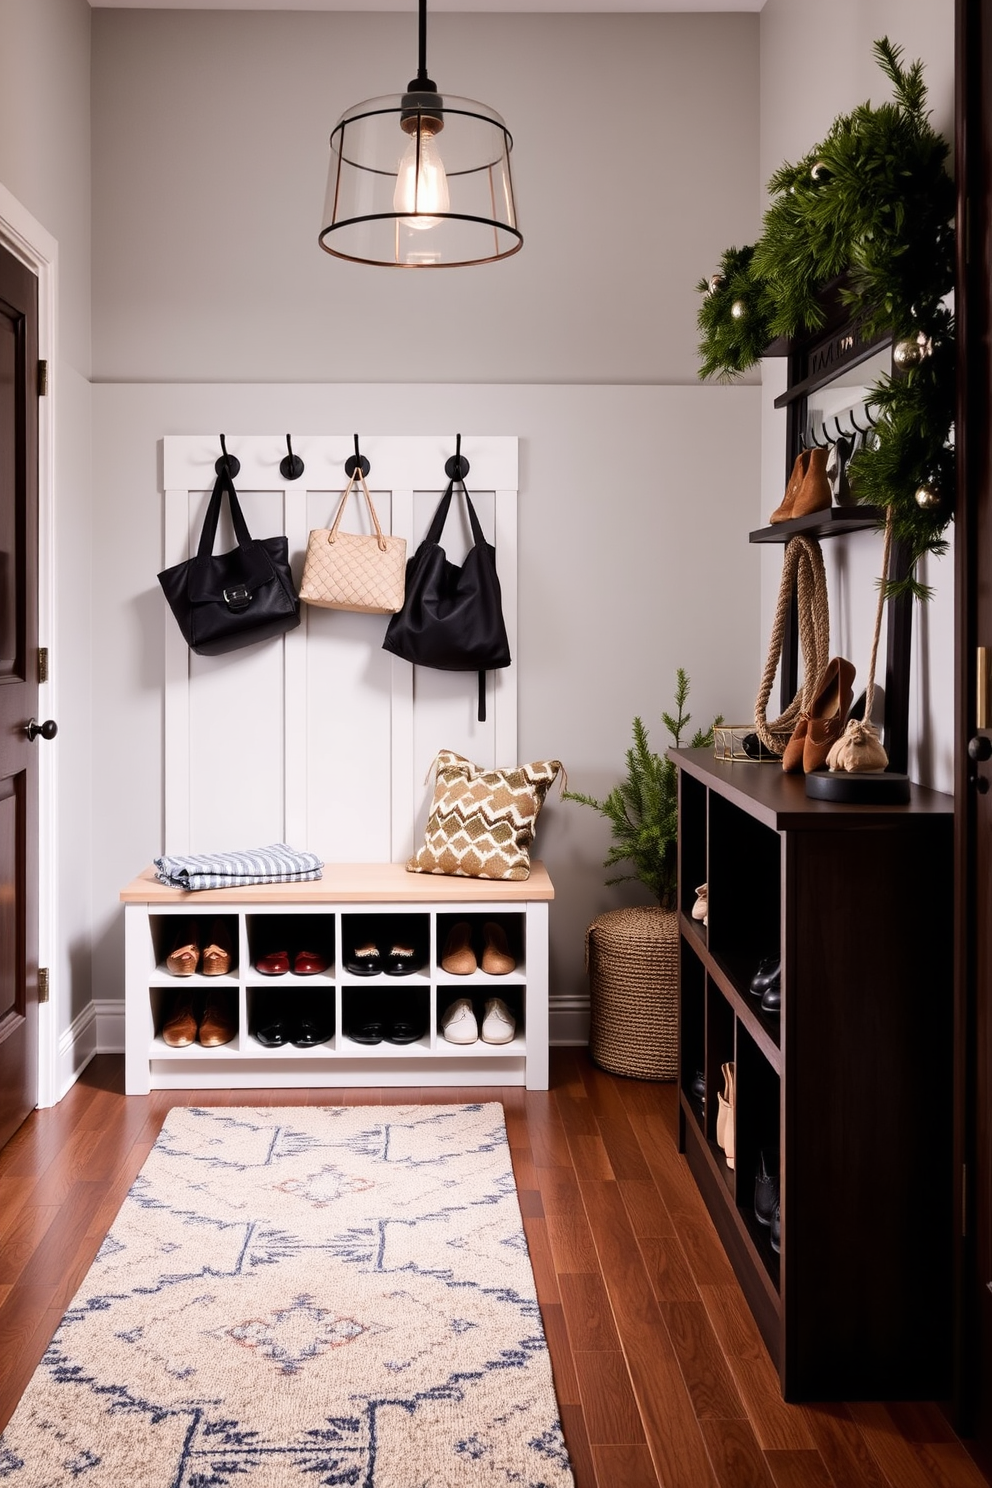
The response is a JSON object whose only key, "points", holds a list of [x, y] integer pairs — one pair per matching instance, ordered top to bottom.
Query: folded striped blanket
{"points": [[278, 863]]}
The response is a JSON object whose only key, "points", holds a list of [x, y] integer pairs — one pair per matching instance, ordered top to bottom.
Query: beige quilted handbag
{"points": [[352, 571]]}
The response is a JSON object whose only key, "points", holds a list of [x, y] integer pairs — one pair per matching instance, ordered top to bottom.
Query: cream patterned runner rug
{"points": [[312, 1296]]}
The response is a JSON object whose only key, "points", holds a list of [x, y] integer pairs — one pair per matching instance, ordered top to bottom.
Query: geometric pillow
{"points": [[482, 822]]}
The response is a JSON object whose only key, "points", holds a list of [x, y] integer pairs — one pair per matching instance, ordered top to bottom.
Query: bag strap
{"points": [[359, 475], [208, 532], [433, 534], [802, 569]]}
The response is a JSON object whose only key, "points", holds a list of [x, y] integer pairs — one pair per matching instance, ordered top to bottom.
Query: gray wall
{"points": [[635, 153]]}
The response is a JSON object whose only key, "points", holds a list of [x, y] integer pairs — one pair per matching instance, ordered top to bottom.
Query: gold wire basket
{"points": [[728, 743]]}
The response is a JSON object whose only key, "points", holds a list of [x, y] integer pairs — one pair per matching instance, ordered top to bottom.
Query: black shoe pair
{"points": [[368, 958], [767, 984], [304, 1023], [392, 1030], [767, 1209]]}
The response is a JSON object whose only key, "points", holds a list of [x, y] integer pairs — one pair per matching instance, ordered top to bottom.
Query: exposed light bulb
{"points": [[424, 190]]}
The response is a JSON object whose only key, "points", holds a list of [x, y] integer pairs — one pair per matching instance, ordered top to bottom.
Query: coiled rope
{"points": [[802, 571]]}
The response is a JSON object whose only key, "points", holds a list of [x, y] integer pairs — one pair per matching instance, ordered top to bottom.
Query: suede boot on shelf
{"points": [[814, 495], [783, 511], [828, 713], [496, 957], [725, 1114]]}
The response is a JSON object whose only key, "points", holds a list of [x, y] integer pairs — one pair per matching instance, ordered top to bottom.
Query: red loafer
{"points": [[275, 963], [309, 963]]}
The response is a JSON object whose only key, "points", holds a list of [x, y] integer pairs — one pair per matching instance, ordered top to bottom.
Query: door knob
{"points": [[47, 730], [980, 748]]}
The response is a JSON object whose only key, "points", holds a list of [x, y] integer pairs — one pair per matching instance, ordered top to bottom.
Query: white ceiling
{"points": [[600, 6]]}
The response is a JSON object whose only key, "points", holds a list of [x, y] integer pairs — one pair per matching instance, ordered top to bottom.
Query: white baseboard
{"points": [[99, 1029]]}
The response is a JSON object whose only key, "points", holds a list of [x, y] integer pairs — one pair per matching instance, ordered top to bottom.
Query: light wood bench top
{"points": [[355, 883]]}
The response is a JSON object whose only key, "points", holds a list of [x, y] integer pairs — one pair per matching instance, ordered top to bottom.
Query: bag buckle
{"points": [[238, 597]]}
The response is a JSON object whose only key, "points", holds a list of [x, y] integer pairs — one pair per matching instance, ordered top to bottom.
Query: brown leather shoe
{"points": [[814, 494], [783, 511], [828, 713], [792, 759], [218, 953], [184, 957], [458, 958], [496, 958], [219, 1023], [179, 1028]]}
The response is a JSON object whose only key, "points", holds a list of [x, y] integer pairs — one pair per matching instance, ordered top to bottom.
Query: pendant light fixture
{"points": [[420, 181]]}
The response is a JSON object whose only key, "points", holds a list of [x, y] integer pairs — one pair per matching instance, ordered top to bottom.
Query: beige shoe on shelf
{"points": [[218, 952], [184, 957], [458, 957], [496, 958], [458, 1022], [498, 1024], [725, 1114]]}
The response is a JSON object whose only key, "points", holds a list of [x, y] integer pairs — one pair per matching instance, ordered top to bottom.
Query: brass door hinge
{"points": [[42, 379], [42, 663], [981, 687], [42, 983]]}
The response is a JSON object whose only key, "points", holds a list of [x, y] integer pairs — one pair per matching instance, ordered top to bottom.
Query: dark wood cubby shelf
{"points": [[850, 1085]]}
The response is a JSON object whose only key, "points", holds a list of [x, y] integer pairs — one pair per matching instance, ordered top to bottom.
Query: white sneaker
{"points": [[458, 1023], [498, 1025]]}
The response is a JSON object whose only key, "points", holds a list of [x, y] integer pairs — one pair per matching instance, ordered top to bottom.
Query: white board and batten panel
{"points": [[320, 738]]}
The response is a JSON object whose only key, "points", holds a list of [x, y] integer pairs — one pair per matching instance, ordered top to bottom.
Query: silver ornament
{"points": [[820, 172], [716, 282], [738, 310], [907, 354], [927, 496]]}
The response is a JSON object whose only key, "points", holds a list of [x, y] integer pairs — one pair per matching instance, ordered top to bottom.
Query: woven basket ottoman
{"points": [[632, 957]]}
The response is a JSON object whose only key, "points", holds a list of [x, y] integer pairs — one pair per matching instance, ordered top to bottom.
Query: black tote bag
{"points": [[223, 601], [452, 618]]}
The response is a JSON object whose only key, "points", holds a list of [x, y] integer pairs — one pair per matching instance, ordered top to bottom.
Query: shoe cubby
{"points": [[407, 915], [168, 932], [501, 935], [291, 947], [513, 998], [843, 1095]]}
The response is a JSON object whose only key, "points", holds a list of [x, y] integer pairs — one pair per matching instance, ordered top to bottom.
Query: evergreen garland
{"points": [[873, 203]]}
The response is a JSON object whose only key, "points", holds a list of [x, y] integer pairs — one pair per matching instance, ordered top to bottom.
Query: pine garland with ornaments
{"points": [[872, 205]]}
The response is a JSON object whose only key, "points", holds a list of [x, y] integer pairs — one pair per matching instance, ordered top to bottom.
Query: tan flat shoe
{"points": [[218, 953], [184, 957], [458, 958], [496, 958], [219, 1023], [179, 1028]]}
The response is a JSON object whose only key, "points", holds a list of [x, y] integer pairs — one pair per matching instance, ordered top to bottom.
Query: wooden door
{"points": [[18, 693]]}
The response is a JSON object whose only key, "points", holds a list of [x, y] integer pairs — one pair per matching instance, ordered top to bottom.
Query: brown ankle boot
{"points": [[814, 494]]}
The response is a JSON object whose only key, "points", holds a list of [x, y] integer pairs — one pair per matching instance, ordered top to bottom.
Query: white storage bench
{"points": [[350, 902]]}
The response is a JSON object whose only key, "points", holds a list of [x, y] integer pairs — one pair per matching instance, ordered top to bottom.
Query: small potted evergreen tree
{"points": [[632, 954]]}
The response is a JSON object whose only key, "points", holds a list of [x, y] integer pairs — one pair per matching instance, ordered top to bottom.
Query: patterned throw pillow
{"points": [[482, 821]]}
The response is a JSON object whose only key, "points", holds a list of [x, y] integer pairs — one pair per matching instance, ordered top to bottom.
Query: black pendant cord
{"points": [[422, 38]]}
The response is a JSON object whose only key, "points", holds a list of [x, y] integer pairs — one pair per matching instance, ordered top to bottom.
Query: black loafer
{"points": [[365, 960], [401, 961], [769, 971], [771, 999], [308, 1032], [403, 1032], [366, 1033], [273, 1034], [765, 1189]]}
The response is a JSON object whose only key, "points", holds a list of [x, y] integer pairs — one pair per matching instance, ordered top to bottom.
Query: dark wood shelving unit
{"points": [[851, 1084]]}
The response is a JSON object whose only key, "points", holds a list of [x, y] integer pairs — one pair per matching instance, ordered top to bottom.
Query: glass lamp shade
{"points": [[420, 181]]}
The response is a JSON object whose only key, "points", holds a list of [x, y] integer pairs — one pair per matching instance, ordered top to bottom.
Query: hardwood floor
{"points": [[661, 1374]]}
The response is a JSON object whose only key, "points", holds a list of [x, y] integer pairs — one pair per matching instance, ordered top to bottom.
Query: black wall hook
{"points": [[357, 461], [227, 462], [291, 467], [457, 467]]}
